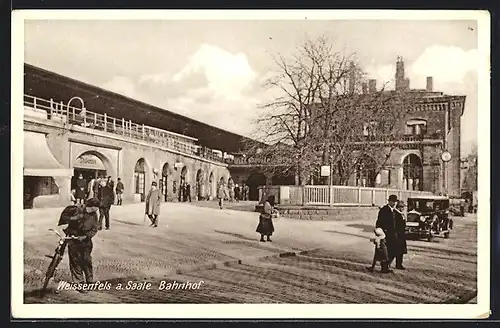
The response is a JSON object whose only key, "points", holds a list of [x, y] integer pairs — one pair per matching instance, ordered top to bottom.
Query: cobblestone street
{"points": [[221, 248]]}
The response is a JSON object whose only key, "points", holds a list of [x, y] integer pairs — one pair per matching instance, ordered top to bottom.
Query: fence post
{"points": [[34, 102], [51, 106], [62, 109], [84, 118], [95, 120], [105, 122], [114, 124], [123, 126], [130, 128], [143, 133], [386, 194], [331, 196], [359, 196], [373, 196], [304, 202]]}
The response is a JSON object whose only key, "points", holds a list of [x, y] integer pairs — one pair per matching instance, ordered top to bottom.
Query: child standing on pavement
{"points": [[381, 255]]}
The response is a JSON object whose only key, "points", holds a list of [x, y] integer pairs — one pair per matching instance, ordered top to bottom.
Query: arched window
{"points": [[165, 172], [412, 173], [140, 177]]}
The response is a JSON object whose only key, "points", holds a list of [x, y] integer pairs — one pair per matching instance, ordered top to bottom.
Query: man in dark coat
{"points": [[81, 189], [119, 191], [106, 198], [153, 202], [385, 221], [83, 226], [400, 227]]}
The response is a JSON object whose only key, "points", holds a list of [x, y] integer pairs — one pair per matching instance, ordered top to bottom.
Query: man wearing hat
{"points": [[106, 196], [153, 200], [385, 221], [83, 226]]}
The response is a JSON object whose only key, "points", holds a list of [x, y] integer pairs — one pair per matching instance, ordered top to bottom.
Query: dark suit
{"points": [[106, 196], [386, 222], [401, 247], [79, 251]]}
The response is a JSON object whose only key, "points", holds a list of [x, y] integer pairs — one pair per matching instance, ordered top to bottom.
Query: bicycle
{"points": [[56, 258]]}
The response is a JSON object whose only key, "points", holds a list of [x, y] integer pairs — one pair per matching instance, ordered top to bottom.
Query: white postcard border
{"points": [[275, 311]]}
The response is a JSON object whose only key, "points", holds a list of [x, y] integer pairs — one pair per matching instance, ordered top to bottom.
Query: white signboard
{"points": [[325, 170]]}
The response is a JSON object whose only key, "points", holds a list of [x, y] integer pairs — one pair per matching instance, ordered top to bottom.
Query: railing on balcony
{"points": [[125, 128]]}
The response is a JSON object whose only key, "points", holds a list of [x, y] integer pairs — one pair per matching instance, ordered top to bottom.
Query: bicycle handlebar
{"points": [[65, 237]]}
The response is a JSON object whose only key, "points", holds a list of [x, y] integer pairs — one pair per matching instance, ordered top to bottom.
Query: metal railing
{"points": [[126, 128]]}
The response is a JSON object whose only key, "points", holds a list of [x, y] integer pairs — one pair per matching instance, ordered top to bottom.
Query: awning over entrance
{"points": [[38, 159]]}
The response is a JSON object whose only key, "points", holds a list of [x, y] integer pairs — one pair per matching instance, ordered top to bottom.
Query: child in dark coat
{"points": [[381, 255]]}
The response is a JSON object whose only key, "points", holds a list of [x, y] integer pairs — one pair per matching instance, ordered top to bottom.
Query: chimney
{"points": [[400, 74], [352, 78], [429, 84], [372, 86], [364, 87]]}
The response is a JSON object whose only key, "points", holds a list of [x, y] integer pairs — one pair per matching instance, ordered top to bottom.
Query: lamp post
{"points": [[445, 157]]}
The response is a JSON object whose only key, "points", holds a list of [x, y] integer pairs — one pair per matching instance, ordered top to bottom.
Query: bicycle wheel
{"points": [[52, 268]]}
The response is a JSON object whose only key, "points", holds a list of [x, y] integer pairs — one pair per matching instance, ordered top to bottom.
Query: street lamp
{"points": [[445, 157]]}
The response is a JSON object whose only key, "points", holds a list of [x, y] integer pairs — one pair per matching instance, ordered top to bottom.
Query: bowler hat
{"points": [[154, 183], [393, 198], [93, 202]]}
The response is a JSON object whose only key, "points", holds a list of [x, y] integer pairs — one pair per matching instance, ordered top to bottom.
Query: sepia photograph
{"points": [[269, 164]]}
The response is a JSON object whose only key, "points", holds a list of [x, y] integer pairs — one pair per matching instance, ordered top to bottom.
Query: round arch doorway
{"points": [[90, 166], [412, 172], [165, 173], [140, 179], [254, 181], [200, 187], [212, 190]]}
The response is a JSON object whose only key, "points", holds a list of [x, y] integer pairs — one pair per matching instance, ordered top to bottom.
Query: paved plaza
{"points": [[307, 262]]}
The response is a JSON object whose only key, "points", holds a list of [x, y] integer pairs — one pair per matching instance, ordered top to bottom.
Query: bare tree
{"points": [[321, 113]]}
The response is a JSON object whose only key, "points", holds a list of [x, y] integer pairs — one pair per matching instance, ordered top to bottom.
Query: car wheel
{"points": [[446, 235]]}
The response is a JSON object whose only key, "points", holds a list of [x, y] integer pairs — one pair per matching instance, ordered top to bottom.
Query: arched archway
{"points": [[91, 164], [366, 171], [412, 172], [165, 174], [184, 177], [140, 179], [283, 179], [253, 182], [200, 185], [212, 191]]}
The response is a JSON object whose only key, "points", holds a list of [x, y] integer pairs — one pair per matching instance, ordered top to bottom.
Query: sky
{"points": [[213, 71]]}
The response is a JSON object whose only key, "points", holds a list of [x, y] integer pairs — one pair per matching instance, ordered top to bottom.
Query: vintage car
{"points": [[428, 216]]}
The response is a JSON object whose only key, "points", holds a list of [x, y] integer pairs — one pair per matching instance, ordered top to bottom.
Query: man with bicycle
{"points": [[83, 227]]}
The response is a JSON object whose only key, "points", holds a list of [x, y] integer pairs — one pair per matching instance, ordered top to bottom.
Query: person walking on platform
{"points": [[119, 191], [153, 201]]}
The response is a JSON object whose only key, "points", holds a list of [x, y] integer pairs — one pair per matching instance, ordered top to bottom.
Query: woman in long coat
{"points": [[153, 200], [399, 226], [266, 227]]}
